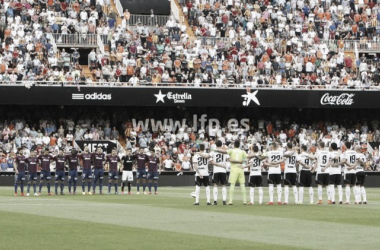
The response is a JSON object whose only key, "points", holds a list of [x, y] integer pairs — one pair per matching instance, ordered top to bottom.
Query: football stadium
{"points": [[219, 123]]}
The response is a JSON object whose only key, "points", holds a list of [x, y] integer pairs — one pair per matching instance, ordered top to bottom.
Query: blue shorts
{"points": [[86, 174], [98, 174], [140, 174], [45, 175], [73, 175], [60, 176], [113, 176], [153, 176], [20, 177], [32, 177]]}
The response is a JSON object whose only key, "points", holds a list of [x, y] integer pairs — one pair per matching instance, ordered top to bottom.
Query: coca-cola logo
{"points": [[343, 99]]}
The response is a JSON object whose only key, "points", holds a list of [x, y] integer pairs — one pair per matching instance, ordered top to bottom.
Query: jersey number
{"points": [[276, 157], [219, 158], [324, 159], [352, 159], [292, 160], [202, 161]]}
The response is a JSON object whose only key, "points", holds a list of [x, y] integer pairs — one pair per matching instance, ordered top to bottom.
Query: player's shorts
{"points": [[86, 174], [98, 174], [140, 174], [45, 175], [73, 175], [113, 175], [236, 175], [60, 176], [127, 176], [152, 176], [20, 177], [32, 177], [219, 178], [305, 178], [350, 178], [360, 178], [274, 179], [290, 179], [322, 179], [335, 179], [202, 181], [255, 181]]}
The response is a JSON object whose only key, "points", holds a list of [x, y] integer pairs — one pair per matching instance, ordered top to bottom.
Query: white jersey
{"points": [[332, 155], [274, 156], [350, 156], [303, 157], [221, 159], [322, 160], [290, 163], [202, 164], [256, 167], [360, 167]]}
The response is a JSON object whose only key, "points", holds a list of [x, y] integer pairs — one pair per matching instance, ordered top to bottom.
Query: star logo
{"points": [[160, 97], [250, 97]]}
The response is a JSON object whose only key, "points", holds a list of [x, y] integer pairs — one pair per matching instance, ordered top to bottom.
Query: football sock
{"points": [[16, 186], [22, 186], [122, 186], [155, 186], [48, 187], [56, 187], [62, 187], [115, 187], [129, 187], [150, 187], [197, 190], [232, 190], [271, 191], [243, 192], [300, 192], [320, 192], [332, 192], [340, 192], [215, 193], [224, 193], [279, 193], [295, 193], [348, 193], [252, 194], [261, 194], [311, 194], [364, 194], [208, 195], [286, 197]]}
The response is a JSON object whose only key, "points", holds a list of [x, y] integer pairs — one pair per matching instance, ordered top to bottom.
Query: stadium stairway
{"points": [[113, 7], [189, 29]]}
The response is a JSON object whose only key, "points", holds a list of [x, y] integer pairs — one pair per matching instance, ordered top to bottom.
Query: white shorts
{"points": [[127, 175]]}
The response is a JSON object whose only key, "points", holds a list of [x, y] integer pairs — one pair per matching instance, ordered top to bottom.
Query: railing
{"points": [[119, 8], [176, 12], [149, 20], [74, 39], [190, 85]]}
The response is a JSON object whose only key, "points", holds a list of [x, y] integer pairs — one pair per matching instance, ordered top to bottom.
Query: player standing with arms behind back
{"points": [[98, 159], [141, 159], [73, 160], [32, 161], [60, 161], [154, 170], [86, 171], [127, 171], [20, 172], [45, 174], [113, 174], [201, 175]]}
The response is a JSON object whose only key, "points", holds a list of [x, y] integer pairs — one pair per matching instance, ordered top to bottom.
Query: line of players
{"points": [[328, 164], [93, 165]]}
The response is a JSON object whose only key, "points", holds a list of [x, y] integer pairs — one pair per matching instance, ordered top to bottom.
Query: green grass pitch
{"points": [[170, 221]]}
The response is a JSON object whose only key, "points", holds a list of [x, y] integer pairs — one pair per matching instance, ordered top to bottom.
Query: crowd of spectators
{"points": [[238, 43], [56, 130]]}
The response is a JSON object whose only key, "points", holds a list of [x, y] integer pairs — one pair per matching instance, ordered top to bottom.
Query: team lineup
{"points": [[328, 163], [299, 164], [93, 165]]}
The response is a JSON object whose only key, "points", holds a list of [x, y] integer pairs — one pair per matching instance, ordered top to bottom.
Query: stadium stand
{"points": [[205, 43]]}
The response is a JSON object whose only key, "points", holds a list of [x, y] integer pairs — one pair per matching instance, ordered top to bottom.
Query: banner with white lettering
{"points": [[106, 145]]}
